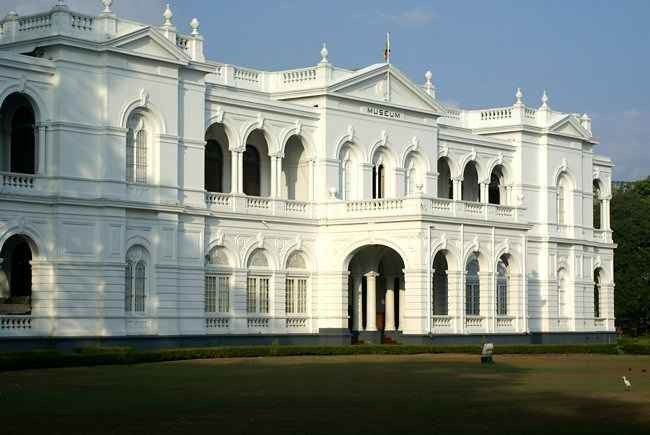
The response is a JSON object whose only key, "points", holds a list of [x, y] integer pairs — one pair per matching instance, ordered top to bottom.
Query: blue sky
{"points": [[591, 56]]}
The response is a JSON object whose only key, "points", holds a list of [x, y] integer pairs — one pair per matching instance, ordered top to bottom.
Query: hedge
{"points": [[117, 356]]}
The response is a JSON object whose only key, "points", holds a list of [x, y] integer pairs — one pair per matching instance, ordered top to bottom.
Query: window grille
{"points": [[130, 154], [141, 157], [128, 287], [472, 289], [502, 290], [210, 294], [224, 294], [251, 295], [139, 296], [296, 302]]}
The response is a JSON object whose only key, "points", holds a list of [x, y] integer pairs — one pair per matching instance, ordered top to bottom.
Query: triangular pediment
{"points": [[148, 42], [377, 81], [568, 126]]}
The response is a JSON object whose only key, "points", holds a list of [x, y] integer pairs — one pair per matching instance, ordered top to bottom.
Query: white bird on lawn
{"points": [[628, 384]]}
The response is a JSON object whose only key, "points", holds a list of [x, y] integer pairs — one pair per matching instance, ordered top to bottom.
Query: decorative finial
{"points": [[107, 6], [167, 15], [11, 16], [194, 24], [324, 52], [428, 85], [519, 95], [544, 100], [585, 121]]}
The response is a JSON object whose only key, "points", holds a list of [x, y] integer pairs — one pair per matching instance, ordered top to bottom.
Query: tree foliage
{"points": [[630, 217]]}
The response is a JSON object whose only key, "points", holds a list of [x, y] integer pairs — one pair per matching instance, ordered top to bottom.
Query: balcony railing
{"points": [[14, 181], [388, 207], [15, 322]]}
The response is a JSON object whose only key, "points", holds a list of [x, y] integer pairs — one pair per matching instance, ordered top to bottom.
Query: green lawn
{"points": [[406, 394]]}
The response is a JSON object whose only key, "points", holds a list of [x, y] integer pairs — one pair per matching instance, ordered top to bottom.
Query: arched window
{"points": [[18, 135], [137, 148], [213, 166], [295, 170], [252, 175], [346, 180], [378, 181], [445, 184], [470, 187], [496, 190], [562, 200], [598, 213], [15, 276], [135, 280], [217, 281], [257, 284], [296, 285], [440, 285], [597, 285], [472, 287], [502, 287], [562, 293]]}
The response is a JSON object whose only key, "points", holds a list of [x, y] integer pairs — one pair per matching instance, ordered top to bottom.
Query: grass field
{"points": [[410, 394]]}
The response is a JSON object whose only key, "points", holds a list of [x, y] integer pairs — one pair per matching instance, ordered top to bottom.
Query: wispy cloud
{"points": [[414, 17], [625, 137]]}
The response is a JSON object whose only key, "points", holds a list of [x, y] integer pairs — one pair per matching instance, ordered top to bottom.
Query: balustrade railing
{"points": [[34, 22], [82, 22], [496, 114], [18, 181], [218, 199], [375, 204], [442, 321], [473, 321], [15, 322], [258, 322], [296, 322], [505, 322], [217, 323]]}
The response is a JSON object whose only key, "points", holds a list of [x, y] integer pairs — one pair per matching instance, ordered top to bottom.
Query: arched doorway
{"points": [[18, 135], [217, 160], [257, 165], [296, 183], [445, 184], [470, 187], [496, 189], [16, 276], [376, 292]]}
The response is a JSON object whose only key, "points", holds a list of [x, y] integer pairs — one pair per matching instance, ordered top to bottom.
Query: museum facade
{"points": [[149, 193]]}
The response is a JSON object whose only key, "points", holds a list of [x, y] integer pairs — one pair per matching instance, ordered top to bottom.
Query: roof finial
{"points": [[107, 6], [167, 15], [194, 24], [324, 52], [428, 85], [519, 96], [544, 101]]}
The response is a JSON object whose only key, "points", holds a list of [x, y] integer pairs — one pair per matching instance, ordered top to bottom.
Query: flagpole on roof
{"points": [[387, 60]]}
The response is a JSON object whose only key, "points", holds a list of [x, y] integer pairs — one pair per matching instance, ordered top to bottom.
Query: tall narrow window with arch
{"points": [[18, 135], [138, 140], [378, 180], [445, 183], [470, 187], [496, 189], [562, 200], [598, 205], [16, 276], [135, 280], [217, 282], [257, 283], [296, 285], [440, 285], [502, 286], [472, 287], [597, 292]]}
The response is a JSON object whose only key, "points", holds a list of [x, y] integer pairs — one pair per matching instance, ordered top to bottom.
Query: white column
{"points": [[40, 148], [236, 169], [312, 171], [278, 176], [457, 187], [276, 191], [484, 193], [604, 214], [371, 301], [390, 304], [402, 304]]}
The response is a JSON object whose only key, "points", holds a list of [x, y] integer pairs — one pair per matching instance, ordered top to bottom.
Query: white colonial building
{"points": [[146, 191]]}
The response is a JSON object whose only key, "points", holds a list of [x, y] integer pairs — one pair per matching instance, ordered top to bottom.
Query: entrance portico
{"points": [[376, 290]]}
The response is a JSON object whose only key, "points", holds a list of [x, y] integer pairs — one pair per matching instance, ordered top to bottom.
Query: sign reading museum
{"points": [[383, 112]]}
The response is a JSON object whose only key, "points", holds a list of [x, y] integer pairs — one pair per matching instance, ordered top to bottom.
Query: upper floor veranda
{"points": [[161, 126]]}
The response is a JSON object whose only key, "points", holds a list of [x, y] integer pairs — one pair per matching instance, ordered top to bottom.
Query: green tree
{"points": [[630, 216]]}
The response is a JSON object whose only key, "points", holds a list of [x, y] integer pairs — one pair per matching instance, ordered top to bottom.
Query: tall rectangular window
{"points": [[130, 156], [141, 157], [560, 206], [210, 294], [224, 294], [257, 295], [502, 297], [296, 302]]}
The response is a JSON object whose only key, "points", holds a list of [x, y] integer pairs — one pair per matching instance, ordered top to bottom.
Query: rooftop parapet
{"points": [[61, 21]]}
